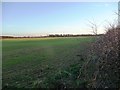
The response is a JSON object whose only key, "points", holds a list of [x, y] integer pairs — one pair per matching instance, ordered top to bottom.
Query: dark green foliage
{"points": [[67, 78]]}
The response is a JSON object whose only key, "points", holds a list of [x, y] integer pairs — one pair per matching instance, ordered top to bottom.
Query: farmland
{"points": [[34, 62]]}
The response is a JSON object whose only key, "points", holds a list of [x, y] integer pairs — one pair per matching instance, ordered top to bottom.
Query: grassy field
{"points": [[42, 62]]}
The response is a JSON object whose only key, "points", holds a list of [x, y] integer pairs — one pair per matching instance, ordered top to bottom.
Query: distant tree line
{"points": [[52, 35], [71, 35], [6, 37]]}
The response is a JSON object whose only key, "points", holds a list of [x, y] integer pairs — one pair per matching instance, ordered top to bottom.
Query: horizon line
{"points": [[45, 35]]}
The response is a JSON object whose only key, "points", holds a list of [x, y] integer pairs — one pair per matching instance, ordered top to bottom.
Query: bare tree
{"points": [[118, 19], [111, 26], [94, 27]]}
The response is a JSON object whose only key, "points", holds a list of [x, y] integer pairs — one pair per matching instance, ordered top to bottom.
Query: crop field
{"points": [[34, 62]]}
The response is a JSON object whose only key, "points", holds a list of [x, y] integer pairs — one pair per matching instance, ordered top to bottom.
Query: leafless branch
{"points": [[94, 27]]}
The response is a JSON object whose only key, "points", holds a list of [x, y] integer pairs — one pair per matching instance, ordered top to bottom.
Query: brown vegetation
{"points": [[102, 68]]}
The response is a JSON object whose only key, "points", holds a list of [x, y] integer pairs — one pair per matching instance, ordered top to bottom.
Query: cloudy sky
{"points": [[41, 18]]}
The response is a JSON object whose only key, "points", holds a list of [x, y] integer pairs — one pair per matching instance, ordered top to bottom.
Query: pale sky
{"points": [[41, 18]]}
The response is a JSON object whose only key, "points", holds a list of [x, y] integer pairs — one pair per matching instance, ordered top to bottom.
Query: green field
{"points": [[36, 62]]}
